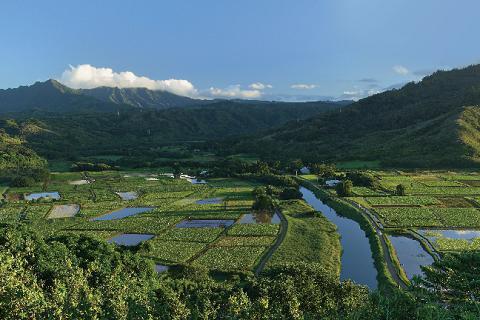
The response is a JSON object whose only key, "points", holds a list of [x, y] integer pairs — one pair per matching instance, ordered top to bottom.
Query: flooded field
{"points": [[78, 182], [46, 195], [130, 195], [210, 201], [64, 211], [122, 213], [260, 217], [205, 223], [469, 235], [130, 239], [453, 239], [411, 255], [161, 268]]}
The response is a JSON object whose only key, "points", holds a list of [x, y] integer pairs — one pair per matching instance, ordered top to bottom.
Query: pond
{"points": [[192, 180], [196, 181], [79, 182], [47, 195], [130, 195], [210, 201], [64, 211], [122, 213], [260, 217], [204, 223], [451, 234], [130, 239], [411, 255], [357, 261], [161, 268]]}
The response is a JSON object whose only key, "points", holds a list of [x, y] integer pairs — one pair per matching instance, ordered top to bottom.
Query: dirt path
{"points": [[281, 236]]}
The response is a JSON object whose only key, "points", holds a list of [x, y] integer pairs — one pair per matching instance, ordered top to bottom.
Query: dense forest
{"points": [[138, 131]]}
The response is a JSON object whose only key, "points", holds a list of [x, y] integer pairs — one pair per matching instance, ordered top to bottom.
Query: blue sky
{"points": [[267, 49]]}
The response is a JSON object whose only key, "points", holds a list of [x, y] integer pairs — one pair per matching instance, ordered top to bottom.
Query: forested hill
{"points": [[51, 96], [142, 97], [431, 123], [137, 130], [17, 159]]}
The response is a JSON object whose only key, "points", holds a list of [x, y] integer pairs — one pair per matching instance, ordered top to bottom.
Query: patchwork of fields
{"points": [[435, 200], [169, 201]]}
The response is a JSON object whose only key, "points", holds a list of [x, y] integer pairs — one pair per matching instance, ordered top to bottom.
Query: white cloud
{"points": [[401, 70], [86, 76], [260, 86], [303, 86], [234, 91], [358, 94]]}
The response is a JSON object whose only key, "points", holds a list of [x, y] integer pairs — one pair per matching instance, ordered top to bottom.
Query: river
{"points": [[356, 262]]}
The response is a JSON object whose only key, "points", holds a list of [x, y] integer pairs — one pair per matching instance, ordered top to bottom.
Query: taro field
{"points": [[445, 204], [172, 221]]}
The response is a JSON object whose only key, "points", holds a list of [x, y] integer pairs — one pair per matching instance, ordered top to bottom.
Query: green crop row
{"points": [[403, 200], [253, 230], [230, 258]]}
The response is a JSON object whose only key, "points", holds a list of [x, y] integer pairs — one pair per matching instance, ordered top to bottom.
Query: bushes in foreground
{"points": [[76, 277]]}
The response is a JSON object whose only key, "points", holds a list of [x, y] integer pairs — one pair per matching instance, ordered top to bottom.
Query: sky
{"points": [[254, 49]]}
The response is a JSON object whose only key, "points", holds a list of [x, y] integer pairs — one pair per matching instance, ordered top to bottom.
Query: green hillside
{"points": [[50, 96], [141, 97], [421, 124], [142, 130], [17, 159]]}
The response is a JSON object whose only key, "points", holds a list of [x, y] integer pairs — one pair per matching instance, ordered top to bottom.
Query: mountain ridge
{"points": [[394, 127]]}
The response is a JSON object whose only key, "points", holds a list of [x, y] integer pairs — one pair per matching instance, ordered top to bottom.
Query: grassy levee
{"points": [[310, 238], [426, 245], [393, 253], [385, 281]]}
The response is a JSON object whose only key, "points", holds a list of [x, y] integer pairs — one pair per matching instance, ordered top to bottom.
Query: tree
{"points": [[177, 170], [323, 170], [363, 179], [22, 181], [344, 188], [400, 190], [290, 193]]}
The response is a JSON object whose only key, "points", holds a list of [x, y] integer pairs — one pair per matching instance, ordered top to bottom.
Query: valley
{"points": [[379, 196]]}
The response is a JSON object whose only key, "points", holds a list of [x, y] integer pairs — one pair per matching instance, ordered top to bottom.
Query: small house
{"points": [[305, 170], [332, 183]]}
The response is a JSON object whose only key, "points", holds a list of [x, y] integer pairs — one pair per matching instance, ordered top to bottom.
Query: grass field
{"points": [[310, 238]]}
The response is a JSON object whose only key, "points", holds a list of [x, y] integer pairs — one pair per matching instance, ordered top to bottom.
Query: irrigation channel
{"points": [[357, 262]]}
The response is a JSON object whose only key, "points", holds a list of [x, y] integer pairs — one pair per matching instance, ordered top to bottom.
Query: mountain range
{"points": [[52, 96], [58, 122], [431, 123]]}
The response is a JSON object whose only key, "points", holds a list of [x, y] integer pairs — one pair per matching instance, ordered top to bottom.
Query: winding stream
{"points": [[357, 261]]}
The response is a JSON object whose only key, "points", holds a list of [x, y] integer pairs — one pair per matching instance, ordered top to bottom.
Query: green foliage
{"points": [[323, 170], [363, 179], [22, 181], [344, 188], [400, 190], [290, 193], [263, 201], [403, 201], [253, 230], [310, 238], [230, 258], [78, 277], [454, 278]]}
